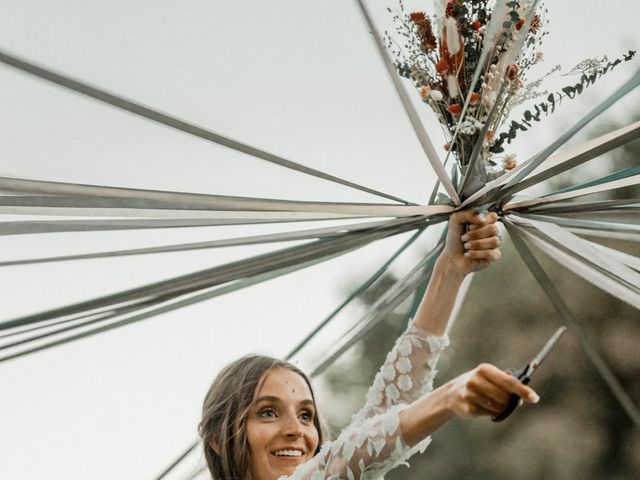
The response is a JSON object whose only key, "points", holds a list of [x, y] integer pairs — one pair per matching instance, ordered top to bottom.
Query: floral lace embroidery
{"points": [[407, 373], [372, 444]]}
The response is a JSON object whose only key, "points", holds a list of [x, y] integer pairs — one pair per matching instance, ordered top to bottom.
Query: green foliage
{"points": [[535, 114]]}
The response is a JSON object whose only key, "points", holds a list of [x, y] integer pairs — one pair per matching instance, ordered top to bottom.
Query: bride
{"points": [[259, 418]]}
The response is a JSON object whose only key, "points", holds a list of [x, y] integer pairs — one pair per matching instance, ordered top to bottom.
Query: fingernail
{"points": [[482, 217], [464, 237], [467, 246], [466, 254], [534, 398]]}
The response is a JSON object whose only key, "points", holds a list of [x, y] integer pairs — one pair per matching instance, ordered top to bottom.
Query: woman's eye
{"points": [[267, 413], [306, 416]]}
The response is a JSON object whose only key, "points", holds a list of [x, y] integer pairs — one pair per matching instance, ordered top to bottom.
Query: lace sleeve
{"points": [[407, 374], [372, 444], [362, 451]]}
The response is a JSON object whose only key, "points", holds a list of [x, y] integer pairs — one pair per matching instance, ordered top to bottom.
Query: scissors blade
{"points": [[547, 348]]}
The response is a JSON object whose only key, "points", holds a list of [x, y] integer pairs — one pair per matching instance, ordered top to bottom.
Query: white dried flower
{"points": [[453, 38], [452, 86], [436, 95], [469, 126]]}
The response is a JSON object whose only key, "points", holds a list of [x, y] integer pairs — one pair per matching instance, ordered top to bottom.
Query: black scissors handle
{"points": [[513, 399]]}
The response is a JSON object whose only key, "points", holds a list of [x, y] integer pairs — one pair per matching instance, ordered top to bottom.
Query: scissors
{"points": [[524, 374]]}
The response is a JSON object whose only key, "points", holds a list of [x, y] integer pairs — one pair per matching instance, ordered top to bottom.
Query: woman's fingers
{"points": [[468, 216], [485, 231], [472, 240], [482, 244], [493, 254], [508, 383], [485, 388], [491, 406], [477, 410]]}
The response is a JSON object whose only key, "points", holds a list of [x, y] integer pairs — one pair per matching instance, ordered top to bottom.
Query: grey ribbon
{"points": [[169, 121], [547, 286]]}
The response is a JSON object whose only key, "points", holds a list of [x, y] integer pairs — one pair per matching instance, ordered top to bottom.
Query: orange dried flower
{"points": [[453, 8], [417, 17], [520, 24], [535, 24], [476, 25], [428, 40], [442, 67], [512, 71], [425, 90], [475, 98], [454, 108], [489, 135], [446, 147], [509, 162]]}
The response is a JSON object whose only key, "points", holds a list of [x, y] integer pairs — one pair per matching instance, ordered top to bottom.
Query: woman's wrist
{"points": [[445, 265], [439, 299], [426, 415]]}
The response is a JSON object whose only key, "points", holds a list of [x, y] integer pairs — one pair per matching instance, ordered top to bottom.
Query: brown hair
{"points": [[225, 410]]}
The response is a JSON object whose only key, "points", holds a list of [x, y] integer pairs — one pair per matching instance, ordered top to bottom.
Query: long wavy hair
{"points": [[225, 410]]}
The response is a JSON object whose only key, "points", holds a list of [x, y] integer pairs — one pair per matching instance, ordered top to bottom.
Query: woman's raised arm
{"points": [[464, 252], [409, 368]]}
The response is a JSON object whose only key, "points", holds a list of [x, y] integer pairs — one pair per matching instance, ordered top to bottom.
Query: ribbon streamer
{"points": [[169, 121], [416, 123], [578, 155], [554, 198], [158, 199], [228, 242], [582, 248], [547, 286], [162, 292], [358, 292], [377, 312]]}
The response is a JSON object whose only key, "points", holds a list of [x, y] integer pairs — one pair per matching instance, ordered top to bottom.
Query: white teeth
{"points": [[288, 453]]}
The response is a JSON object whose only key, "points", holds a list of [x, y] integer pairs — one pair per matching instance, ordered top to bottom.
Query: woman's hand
{"points": [[476, 248], [485, 390]]}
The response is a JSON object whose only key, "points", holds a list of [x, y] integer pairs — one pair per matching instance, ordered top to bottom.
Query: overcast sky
{"points": [[297, 78]]}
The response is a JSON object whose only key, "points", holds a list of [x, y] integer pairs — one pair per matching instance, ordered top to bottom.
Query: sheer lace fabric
{"points": [[372, 444]]}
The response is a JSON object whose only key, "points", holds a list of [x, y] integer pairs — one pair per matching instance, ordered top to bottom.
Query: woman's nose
{"points": [[292, 426]]}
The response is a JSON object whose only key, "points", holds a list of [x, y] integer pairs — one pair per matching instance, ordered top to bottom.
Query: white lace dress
{"points": [[372, 444]]}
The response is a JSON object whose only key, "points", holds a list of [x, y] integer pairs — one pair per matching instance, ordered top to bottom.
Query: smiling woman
{"points": [[250, 404], [259, 418], [280, 427]]}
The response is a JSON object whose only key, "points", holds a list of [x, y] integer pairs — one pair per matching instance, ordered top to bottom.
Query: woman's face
{"points": [[280, 428]]}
